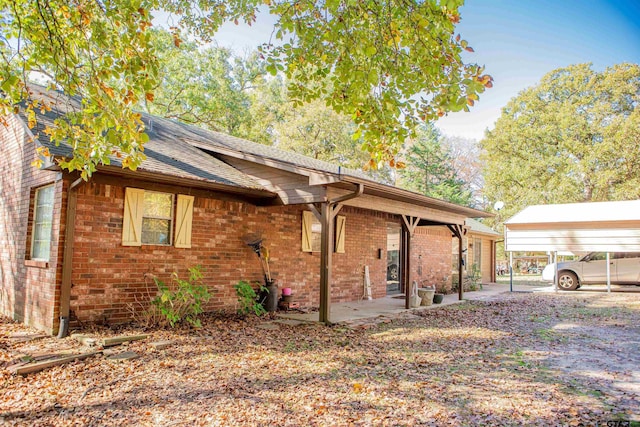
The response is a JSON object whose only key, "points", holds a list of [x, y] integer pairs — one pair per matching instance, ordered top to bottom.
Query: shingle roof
{"points": [[217, 140], [176, 149], [167, 151], [479, 227]]}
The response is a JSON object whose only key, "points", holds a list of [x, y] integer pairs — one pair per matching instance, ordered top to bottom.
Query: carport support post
{"points": [[510, 271], [555, 273], [608, 274]]}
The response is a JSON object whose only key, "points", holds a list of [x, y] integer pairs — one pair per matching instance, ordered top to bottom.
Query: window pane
{"points": [[157, 205], [43, 217], [42, 231], [155, 231]]}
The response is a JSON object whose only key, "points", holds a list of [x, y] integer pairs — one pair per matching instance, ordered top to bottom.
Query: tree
{"points": [[388, 64], [204, 86], [319, 132], [572, 138], [465, 156], [429, 169]]}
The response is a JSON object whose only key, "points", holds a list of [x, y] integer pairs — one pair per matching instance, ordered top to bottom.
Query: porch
{"points": [[389, 306]]}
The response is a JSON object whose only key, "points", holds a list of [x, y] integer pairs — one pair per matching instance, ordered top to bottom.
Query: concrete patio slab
{"points": [[391, 306]]}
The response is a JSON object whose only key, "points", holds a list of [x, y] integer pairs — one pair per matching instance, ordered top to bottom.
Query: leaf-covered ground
{"points": [[519, 359]]}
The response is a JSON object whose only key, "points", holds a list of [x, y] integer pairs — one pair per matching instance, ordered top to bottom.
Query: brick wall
{"points": [[431, 257], [108, 277], [28, 291]]}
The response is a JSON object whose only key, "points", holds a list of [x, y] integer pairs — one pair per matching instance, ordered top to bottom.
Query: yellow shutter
{"points": [[184, 217], [307, 220], [132, 221], [340, 228]]}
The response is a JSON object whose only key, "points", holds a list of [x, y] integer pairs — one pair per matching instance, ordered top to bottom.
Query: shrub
{"points": [[248, 298], [182, 300]]}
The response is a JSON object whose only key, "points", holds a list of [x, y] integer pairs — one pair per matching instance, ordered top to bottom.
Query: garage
{"points": [[606, 227]]}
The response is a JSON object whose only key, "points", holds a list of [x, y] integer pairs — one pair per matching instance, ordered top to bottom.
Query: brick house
{"points": [[481, 241], [76, 251]]}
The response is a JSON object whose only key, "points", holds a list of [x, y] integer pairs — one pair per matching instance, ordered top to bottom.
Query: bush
{"points": [[248, 298], [182, 300]]}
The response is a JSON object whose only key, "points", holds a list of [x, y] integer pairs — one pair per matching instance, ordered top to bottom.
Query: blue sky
{"points": [[518, 41]]}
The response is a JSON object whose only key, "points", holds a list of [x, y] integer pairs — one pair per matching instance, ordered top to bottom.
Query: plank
{"points": [[108, 342], [37, 367]]}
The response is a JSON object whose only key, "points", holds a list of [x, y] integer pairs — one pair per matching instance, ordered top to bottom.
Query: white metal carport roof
{"points": [[574, 227]]}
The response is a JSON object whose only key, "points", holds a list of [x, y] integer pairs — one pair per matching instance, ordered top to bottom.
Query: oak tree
{"points": [[388, 64], [574, 137]]}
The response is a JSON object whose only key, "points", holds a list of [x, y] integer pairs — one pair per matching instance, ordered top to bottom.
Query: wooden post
{"points": [[326, 214], [409, 225], [458, 231], [67, 253], [325, 263], [406, 264], [460, 281]]}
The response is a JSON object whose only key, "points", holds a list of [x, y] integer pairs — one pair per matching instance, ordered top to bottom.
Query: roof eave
{"points": [[399, 194]]}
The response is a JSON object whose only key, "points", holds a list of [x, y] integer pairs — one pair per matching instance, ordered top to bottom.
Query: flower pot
{"points": [[427, 295], [438, 298]]}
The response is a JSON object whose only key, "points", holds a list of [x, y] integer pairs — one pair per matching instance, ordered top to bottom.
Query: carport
{"points": [[575, 227]]}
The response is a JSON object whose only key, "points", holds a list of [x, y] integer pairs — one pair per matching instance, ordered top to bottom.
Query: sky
{"points": [[518, 41]]}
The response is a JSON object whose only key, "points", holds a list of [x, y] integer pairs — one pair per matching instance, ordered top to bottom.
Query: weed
{"points": [[248, 298], [182, 300]]}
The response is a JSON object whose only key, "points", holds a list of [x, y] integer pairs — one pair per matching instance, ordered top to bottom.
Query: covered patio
{"points": [[387, 307]]}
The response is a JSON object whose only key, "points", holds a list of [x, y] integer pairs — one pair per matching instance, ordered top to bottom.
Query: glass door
{"points": [[393, 259]]}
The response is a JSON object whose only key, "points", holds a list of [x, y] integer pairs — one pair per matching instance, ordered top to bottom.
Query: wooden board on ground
{"points": [[108, 342], [39, 366]]}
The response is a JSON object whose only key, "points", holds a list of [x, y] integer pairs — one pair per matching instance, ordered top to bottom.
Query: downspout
{"points": [[67, 256]]}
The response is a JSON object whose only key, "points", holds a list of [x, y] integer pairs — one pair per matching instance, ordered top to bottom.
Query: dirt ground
{"points": [[518, 359]]}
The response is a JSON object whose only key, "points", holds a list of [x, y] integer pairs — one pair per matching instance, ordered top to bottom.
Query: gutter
{"points": [[67, 256]]}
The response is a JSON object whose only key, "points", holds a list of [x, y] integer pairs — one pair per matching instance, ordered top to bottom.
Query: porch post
{"points": [[326, 215], [458, 231], [326, 239], [406, 263], [460, 281]]}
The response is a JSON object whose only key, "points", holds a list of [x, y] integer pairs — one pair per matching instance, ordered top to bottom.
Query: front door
{"points": [[393, 259]]}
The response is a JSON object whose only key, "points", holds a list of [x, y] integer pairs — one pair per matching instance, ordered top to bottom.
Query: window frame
{"points": [[171, 219], [34, 225]]}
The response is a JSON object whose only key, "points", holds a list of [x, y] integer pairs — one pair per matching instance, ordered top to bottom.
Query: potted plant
{"points": [[438, 296]]}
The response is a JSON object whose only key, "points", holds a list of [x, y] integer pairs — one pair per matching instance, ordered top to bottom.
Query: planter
{"points": [[427, 295], [271, 298], [438, 298], [414, 301]]}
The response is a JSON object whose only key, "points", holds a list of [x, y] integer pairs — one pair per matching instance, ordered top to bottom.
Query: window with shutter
{"points": [[184, 216], [149, 219], [132, 221], [307, 233], [340, 233]]}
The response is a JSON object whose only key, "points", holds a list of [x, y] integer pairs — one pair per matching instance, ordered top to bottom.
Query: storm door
{"points": [[393, 258]]}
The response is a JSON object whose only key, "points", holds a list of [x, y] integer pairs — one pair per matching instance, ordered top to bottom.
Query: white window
{"points": [[157, 217], [149, 219], [42, 220], [477, 252]]}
